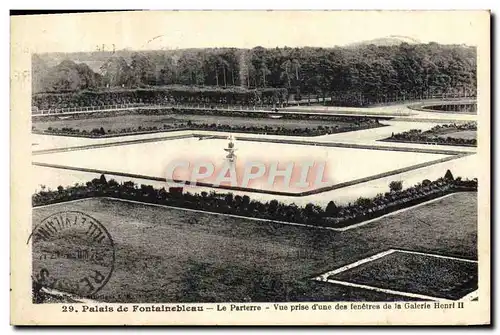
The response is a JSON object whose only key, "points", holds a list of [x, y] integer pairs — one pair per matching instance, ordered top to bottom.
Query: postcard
{"points": [[250, 168]]}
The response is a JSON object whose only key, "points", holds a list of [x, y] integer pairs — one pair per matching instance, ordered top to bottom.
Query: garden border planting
{"points": [[333, 216]]}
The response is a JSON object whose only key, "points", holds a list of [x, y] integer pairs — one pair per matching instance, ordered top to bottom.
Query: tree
{"points": [[190, 68], [142, 69], [116, 72], [167, 72], [286, 74], [66, 76], [448, 175], [426, 182], [112, 183], [129, 185], [396, 185], [229, 199], [246, 200], [364, 202], [273, 206], [331, 209], [312, 210]]}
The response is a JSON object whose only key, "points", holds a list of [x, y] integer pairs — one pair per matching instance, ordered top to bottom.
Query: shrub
{"points": [[448, 175], [426, 182], [396, 185], [331, 209], [362, 209]]}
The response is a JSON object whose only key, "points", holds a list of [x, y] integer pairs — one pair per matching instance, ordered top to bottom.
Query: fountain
{"points": [[230, 149]]}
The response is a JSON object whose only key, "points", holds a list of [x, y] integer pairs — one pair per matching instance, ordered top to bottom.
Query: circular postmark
{"points": [[72, 252]]}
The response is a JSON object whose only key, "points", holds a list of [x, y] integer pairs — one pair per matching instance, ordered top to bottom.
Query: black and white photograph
{"points": [[299, 167]]}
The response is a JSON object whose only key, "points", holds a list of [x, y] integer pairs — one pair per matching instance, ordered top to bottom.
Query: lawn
{"points": [[144, 121], [464, 134], [172, 255], [416, 273]]}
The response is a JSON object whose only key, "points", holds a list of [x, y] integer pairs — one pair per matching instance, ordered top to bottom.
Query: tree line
{"points": [[363, 74], [332, 216]]}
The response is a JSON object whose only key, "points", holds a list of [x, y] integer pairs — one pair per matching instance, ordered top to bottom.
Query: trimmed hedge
{"points": [[161, 95], [333, 216]]}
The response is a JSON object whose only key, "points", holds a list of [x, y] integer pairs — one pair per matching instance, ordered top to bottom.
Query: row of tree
{"points": [[366, 73], [166, 95], [333, 215]]}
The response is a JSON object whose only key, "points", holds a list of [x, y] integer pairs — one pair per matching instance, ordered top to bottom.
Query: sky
{"points": [[187, 29]]}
